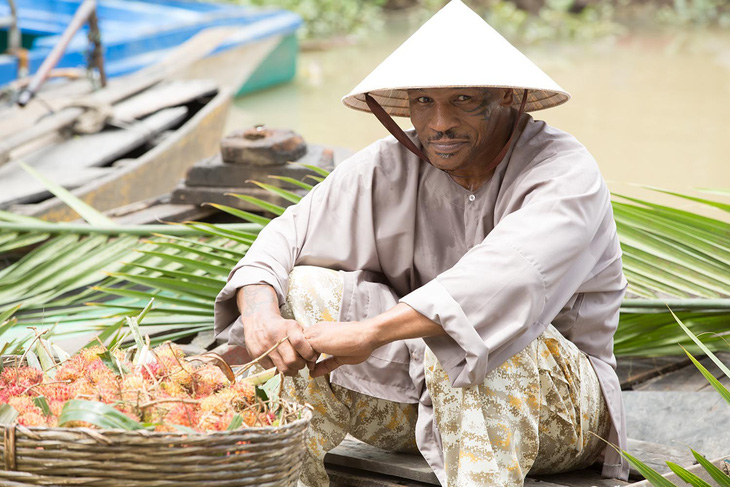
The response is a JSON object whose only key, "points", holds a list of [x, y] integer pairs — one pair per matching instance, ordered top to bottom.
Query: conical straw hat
{"points": [[456, 47]]}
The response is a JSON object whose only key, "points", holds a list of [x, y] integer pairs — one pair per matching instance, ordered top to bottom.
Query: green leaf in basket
{"points": [[33, 361], [112, 363], [48, 364], [271, 387], [261, 393], [42, 404], [97, 413], [7, 414], [236, 422], [182, 429]]}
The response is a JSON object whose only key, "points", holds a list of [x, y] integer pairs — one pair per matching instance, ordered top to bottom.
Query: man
{"points": [[470, 266]]}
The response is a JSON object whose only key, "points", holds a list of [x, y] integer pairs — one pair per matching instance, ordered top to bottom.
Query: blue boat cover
{"points": [[136, 33]]}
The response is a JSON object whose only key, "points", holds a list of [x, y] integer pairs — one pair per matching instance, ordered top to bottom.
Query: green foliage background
{"points": [[545, 20]]}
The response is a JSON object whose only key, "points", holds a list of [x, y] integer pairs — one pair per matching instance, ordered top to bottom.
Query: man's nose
{"points": [[443, 119]]}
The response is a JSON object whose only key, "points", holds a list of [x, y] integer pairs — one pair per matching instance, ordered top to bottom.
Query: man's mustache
{"points": [[448, 134]]}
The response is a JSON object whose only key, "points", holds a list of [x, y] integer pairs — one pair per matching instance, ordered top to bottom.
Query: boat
{"points": [[260, 51], [132, 140]]}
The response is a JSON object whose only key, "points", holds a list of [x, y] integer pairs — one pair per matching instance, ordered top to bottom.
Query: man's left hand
{"points": [[346, 343]]}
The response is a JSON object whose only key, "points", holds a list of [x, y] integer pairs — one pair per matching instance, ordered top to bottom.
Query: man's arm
{"points": [[264, 327], [353, 342]]}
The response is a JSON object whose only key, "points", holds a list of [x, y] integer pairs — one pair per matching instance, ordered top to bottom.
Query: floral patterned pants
{"points": [[534, 413]]}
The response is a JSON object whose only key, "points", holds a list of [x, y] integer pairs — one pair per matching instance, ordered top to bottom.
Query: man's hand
{"points": [[263, 327], [346, 342], [352, 342]]}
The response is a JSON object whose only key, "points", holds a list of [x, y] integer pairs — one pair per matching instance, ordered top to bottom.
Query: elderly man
{"points": [[453, 288]]}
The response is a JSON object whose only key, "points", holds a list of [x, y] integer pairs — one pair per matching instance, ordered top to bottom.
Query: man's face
{"points": [[460, 128]]}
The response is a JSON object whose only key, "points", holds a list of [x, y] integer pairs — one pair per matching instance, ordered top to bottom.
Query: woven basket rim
{"points": [[306, 417]]}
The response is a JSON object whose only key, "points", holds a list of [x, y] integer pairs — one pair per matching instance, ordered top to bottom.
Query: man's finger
{"points": [[301, 345], [291, 361], [265, 362], [325, 367]]}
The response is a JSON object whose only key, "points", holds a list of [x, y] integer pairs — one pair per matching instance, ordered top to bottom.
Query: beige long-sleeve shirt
{"points": [[534, 245]]}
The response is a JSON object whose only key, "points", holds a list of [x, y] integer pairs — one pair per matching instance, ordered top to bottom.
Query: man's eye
{"points": [[463, 98], [423, 99]]}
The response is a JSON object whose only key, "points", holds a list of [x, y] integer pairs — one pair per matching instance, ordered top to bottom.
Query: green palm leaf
{"points": [[287, 195], [717, 474], [687, 476]]}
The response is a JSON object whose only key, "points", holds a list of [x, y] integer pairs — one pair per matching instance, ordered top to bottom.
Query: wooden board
{"points": [[162, 96], [103, 148], [78, 161], [215, 172], [23, 188], [198, 195], [635, 370], [687, 378], [679, 419], [355, 454], [657, 456], [723, 463], [358, 464], [378, 467], [343, 477], [589, 477]]}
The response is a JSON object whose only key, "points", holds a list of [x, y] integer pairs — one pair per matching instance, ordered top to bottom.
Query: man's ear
{"points": [[507, 97]]}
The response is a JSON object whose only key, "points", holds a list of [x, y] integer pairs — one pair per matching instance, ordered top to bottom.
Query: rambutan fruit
{"points": [[71, 369], [23, 376], [209, 379], [244, 390], [8, 392], [54, 392], [182, 414], [32, 419], [215, 422]]}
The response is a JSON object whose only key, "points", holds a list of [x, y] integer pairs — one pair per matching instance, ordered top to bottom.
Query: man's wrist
{"points": [[401, 322]]}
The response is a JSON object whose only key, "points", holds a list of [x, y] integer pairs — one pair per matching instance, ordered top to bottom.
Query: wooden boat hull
{"points": [[155, 172]]}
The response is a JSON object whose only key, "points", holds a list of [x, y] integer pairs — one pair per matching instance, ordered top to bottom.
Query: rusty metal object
{"points": [[87, 8], [97, 54], [260, 146]]}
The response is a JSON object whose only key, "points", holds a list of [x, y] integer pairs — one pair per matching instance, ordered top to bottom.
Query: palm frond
{"points": [[670, 256]]}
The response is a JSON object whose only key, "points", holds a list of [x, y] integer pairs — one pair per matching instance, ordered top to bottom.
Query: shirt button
{"points": [[472, 197]]}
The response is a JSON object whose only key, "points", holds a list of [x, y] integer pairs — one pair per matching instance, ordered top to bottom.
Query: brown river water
{"points": [[651, 107]]}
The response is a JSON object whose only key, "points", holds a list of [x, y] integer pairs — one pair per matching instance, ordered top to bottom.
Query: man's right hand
{"points": [[263, 327]]}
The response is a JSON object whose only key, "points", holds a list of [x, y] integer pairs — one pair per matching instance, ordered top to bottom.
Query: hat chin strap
{"points": [[401, 136]]}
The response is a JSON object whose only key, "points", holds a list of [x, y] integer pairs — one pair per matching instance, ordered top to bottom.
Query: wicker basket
{"points": [[266, 456]]}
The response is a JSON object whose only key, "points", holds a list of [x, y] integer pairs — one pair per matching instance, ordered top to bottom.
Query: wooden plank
{"points": [[192, 50], [162, 96], [103, 148], [78, 161], [155, 172], [215, 172], [23, 188], [199, 195], [163, 212], [635, 370], [687, 378], [679, 419], [353, 453], [656, 455], [361, 459], [723, 463], [344, 477], [589, 477]]}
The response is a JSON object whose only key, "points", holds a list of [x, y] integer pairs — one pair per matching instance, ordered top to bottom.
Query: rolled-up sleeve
{"points": [[319, 230], [522, 273]]}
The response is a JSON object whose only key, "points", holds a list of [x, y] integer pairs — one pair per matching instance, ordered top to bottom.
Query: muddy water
{"points": [[652, 108]]}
